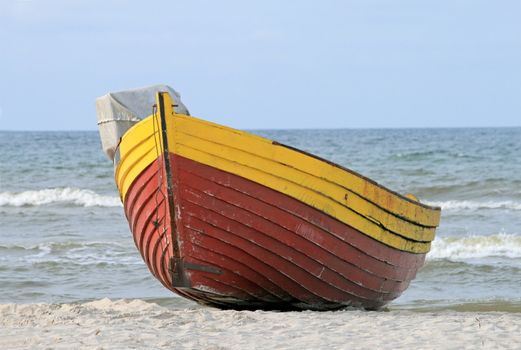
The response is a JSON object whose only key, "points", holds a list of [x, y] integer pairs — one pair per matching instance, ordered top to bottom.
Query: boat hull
{"points": [[233, 220], [243, 245]]}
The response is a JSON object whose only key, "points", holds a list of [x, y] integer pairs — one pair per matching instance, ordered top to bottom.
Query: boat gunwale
{"points": [[311, 155], [336, 165], [326, 195], [401, 196], [403, 210]]}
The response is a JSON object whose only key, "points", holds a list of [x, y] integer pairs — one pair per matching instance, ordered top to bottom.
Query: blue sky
{"points": [[266, 64]]}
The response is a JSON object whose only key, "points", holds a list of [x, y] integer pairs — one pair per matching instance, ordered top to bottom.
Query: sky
{"points": [[266, 64]]}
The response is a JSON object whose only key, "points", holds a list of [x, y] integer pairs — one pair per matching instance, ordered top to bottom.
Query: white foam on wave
{"points": [[67, 195], [474, 205], [475, 247], [77, 253]]}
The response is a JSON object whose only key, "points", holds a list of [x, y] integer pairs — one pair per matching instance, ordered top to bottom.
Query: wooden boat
{"points": [[234, 220]]}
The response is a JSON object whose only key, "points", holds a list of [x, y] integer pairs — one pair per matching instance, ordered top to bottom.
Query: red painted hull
{"points": [[245, 246]]}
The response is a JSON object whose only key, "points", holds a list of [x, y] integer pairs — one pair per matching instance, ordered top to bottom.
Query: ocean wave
{"points": [[422, 155], [67, 195], [474, 205], [475, 247], [77, 253]]}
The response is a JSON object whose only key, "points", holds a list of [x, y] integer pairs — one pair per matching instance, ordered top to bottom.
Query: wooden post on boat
{"points": [[166, 109]]}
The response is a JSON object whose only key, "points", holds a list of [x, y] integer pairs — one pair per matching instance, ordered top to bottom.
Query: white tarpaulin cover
{"points": [[118, 111]]}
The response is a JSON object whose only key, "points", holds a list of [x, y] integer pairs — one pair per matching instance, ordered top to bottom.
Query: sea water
{"points": [[64, 237]]}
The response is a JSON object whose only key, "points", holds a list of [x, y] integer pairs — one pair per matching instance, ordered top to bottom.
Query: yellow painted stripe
{"points": [[137, 150], [354, 183], [358, 188], [312, 190]]}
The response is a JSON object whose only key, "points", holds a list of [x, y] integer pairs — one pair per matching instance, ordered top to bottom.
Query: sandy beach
{"points": [[136, 324]]}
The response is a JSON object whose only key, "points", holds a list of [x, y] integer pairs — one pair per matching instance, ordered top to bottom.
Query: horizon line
{"points": [[303, 129]]}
